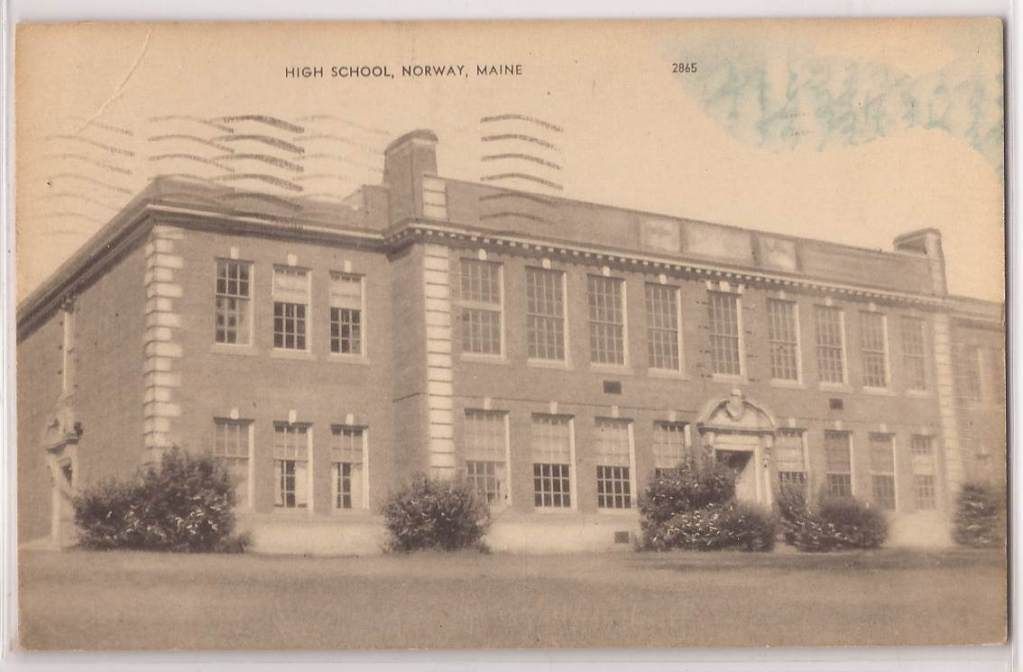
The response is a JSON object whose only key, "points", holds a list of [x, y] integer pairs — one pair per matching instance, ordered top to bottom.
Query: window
{"points": [[605, 297], [291, 301], [481, 307], [231, 309], [545, 314], [346, 324], [662, 327], [724, 333], [783, 339], [830, 344], [875, 350], [913, 353], [997, 372], [967, 373], [231, 446], [669, 446], [486, 453], [613, 454], [347, 455], [552, 457], [790, 460], [291, 463], [838, 464], [882, 470], [923, 472]]}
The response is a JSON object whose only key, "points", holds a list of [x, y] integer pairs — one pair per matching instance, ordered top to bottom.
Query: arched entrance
{"points": [[740, 433]]}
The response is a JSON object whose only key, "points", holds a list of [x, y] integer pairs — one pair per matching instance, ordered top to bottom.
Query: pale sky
{"points": [[849, 131]]}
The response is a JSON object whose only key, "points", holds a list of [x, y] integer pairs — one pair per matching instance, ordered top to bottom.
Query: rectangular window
{"points": [[606, 299], [481, 301], [291, 302], [231, 310], [662, 312], [545, 314], [346, 324], [783, 338], [830, 344], [874, 346], [914, 353], [725, 354], [967, 373], [551, 444], [231, 446], [669, 446], [486, 453], [613, 455], [347, 456], [790, 460], [291, 463], [838, 463], [882, 470], [923, 472]]}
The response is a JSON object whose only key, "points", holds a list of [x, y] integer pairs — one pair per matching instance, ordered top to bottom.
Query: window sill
{"points": [[228, 349], [279, 353], [340, 358], [482, 359], [548, 364], [619, 369], [667, 373], [728, 378], [788, 384], [835, 387], [878, 391], [920, 394], [554, 510], [284, 512], [616, 512], [349, 513]]}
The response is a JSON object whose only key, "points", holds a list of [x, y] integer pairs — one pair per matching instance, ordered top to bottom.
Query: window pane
{"points": [[231, 303], [545, 317], [607, 320], [662, 327], [346, 331], [724, 333], [872, 336], [783, 339], [830, 344], [913, 353], [967, 372], [484, 435], [551, 438], [612, 441], [669, 444], [231, 447], [837, 452], [291, 456], [486, 478], [551, 486], [614, 490]]}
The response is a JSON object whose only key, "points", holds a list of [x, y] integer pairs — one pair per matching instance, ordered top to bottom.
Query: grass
{"points": [[132, 600]]}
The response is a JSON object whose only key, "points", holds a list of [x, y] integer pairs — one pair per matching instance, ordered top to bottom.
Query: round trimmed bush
{"points": [[439, 514], [978, 516], [834, 524]]}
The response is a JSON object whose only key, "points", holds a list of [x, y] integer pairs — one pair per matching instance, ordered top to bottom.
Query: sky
{"points": [[849, 131]]}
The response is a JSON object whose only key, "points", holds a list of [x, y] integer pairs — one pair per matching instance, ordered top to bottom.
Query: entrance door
{"points": [[742, 462]]}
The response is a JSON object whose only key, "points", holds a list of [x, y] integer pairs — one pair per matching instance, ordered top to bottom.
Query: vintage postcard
{"points": [[510, 334]]}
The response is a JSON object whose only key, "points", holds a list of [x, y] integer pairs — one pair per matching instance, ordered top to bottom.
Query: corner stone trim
{"points": [[162, 350], [439, 371], [944, 383]]}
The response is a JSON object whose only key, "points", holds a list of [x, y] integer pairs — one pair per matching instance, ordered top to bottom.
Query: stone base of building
{"points": [[920, 529], [298, 534]]}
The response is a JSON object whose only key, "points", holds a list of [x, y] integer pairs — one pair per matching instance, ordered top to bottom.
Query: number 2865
{"points": [[683, 68]]}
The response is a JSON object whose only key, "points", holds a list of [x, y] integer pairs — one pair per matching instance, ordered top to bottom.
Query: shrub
{"points": [[695, 484], [182, 504], [438, 514], [978, 517], [834, 524], [714, 527], [749, 528]]}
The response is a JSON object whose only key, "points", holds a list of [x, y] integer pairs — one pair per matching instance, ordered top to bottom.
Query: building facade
{"points": [[555, 353]]}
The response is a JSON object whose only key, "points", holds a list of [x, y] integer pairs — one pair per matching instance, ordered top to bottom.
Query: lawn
{"points": [[129, 600]]}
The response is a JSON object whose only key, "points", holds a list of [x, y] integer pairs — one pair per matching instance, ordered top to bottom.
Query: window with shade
{"points": [[291, 292], [606, 302], [481, 306], [232, 314], [545, 314], [662, 318], [346, 319], [783, 339], [830, 344], [874, 349], [725, 351], [914, 362], [967, 373], [231, 445], [551, 445], [669, 446], [485, 449], [612, 451], [347, 460], [790, 460], [838, 464], [291, 465], [882, 470], [923, 472]]}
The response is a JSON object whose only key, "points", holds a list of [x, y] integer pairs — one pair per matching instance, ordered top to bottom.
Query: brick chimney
{"points": [[406, 161], [927, 243]]}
